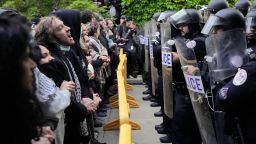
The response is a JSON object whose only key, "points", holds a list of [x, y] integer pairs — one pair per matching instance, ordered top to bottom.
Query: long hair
{"points": [[44, 34], [23, 113]]}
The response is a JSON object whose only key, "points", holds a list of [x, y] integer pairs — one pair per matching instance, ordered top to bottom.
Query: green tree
{"points": [[87, 5], [31, 8], [139, 10], [142, 10]]}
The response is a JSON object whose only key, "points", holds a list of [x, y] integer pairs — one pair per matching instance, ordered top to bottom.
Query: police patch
{"points": [[157, 34], [170, 42], [191, 44], [240, 77], [223, 92]]}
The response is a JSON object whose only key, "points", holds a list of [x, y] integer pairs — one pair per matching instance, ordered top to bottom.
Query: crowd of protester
{"points": [[59, 72]]}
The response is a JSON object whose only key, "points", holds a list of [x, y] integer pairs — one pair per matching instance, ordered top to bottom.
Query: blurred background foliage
{"points": [[32, 8], [139, 10], [142, 10]]}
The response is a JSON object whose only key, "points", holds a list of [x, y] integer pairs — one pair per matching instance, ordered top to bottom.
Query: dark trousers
{"points": [[131, 60], [149, 80], [159, 90], [166, 120], [184, 125], [72, 133]]}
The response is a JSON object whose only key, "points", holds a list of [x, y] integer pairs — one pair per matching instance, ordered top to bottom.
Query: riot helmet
{"points": [[216, 5], [243, 6], [213, 7], [156, 15], [165, 15], [186, 16], [225, 19], [188, 21], [250, 23], [174, 31], [226, 44]]}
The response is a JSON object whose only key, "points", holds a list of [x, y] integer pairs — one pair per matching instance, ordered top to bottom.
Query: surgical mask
{"points": [[64, 48]]}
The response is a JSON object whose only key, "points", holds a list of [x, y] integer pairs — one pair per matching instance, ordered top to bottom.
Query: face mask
{"points": [[64, 48], [45, 68]]}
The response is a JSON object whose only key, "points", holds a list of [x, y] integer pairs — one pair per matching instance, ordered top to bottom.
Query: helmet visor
{"points": [[206, 14], [162, 16], [177, 16], [250, 25], [210, 26]]}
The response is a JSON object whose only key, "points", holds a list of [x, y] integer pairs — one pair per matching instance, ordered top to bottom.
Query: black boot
{"points": [[146, 92], [147, 98], [155, 104], [158, 114], [159, 126], [162, 130], [166, 139]]}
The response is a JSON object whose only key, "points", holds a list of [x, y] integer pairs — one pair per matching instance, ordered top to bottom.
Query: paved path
{"points": [[143, 115]]}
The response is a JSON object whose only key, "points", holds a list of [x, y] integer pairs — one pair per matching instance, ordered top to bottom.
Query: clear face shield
{"points": [[206, 14], [177, 16], [161, 17], [211, 25], [250, 25], [250, 28], [153, 31], [225, 54]]}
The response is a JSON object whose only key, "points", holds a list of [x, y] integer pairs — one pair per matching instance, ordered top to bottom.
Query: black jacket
{"points": [[71, 18], [57, 71], [239, 101]]}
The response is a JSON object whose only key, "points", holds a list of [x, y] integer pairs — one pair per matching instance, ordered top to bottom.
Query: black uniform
{"points": [[239, 101], [184, 122]]}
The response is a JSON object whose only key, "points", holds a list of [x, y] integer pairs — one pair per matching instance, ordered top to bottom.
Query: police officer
{"points": [[216, 5], [243, 6], [213, 7], [250, 22], [158, 63], [232, 79], [149, 82], [167, 99], [184, 125], [164, 127]]}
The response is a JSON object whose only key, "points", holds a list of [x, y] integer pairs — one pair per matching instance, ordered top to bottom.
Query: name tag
{"points": [[151, 51], [167, 58], [194, 83]]}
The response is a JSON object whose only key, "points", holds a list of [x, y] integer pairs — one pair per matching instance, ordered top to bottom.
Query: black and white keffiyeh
{"points": [[45, 87]]}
